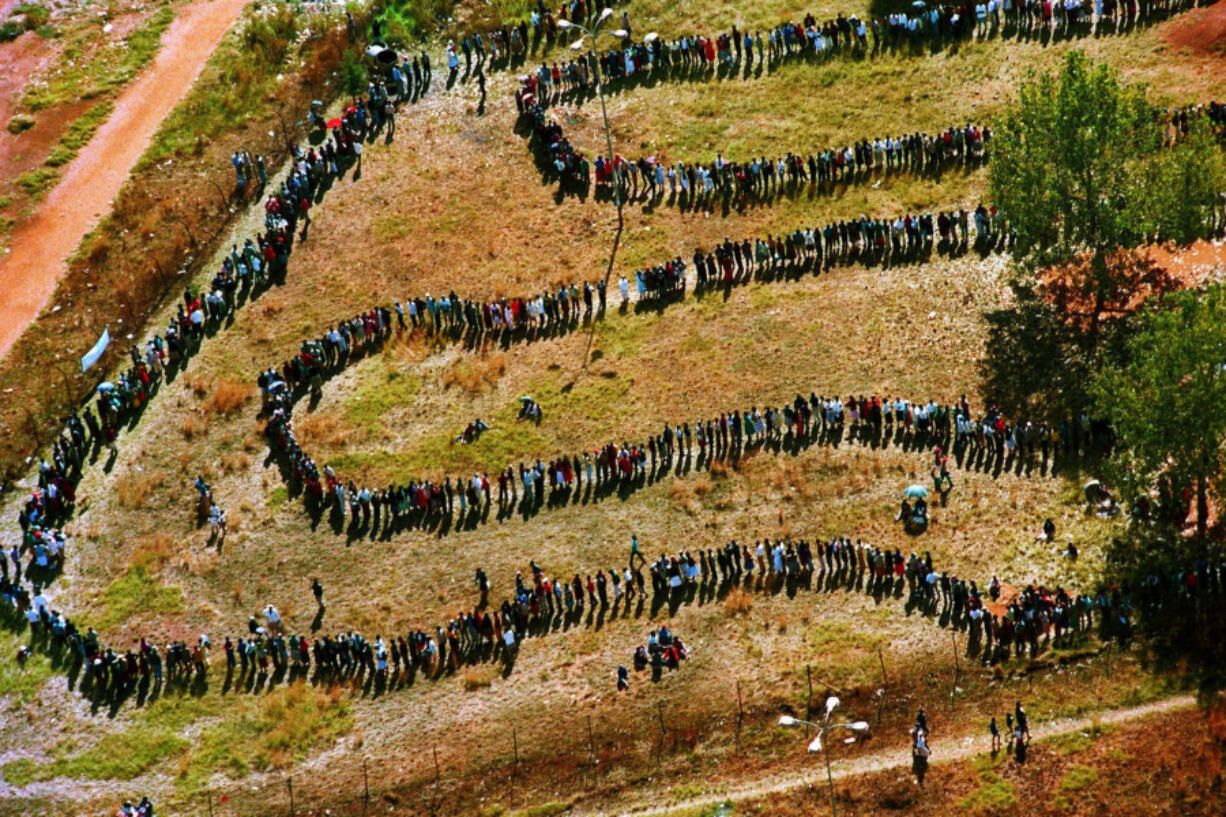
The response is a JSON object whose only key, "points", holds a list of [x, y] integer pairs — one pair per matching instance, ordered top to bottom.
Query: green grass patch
{"points": [[93, 68], [236, 83], [79, 133], [35, 183], [386, 390], [277, 497], [136, 593], [20, 682], [281, 728], [1072, 743], [124, 756], [1078, 778], [994, 795], [544, 810]]}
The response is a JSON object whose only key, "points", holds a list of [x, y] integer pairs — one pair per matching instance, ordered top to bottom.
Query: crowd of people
{"points": [[934, 26], [509, 42], [735, 50], [651, 179], [697, 184], [243, 273], [982, 439], [1001, 622], [663, 649]]}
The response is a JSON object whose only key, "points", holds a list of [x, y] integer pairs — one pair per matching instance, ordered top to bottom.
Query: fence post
{"points": [[957, 669], [809, 702], [740, 714], [591, 744], [289, 784], [365, 788]]}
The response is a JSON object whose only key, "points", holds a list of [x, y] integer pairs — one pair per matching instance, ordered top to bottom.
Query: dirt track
{"points": [[42, 245], [899, 758]]}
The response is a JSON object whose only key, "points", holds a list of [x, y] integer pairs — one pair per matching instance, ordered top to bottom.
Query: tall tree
{"points": [[1082, 170], [1167, 402]]}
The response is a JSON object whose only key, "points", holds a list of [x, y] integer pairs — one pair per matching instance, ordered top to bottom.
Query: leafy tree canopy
{"points": [[1167, 401]]}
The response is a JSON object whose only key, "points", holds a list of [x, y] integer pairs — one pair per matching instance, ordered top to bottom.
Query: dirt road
{"points": [[42, 245], [898, 758]]}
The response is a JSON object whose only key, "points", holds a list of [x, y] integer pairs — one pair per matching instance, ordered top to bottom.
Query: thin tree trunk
{"points": [[1202, 506]]}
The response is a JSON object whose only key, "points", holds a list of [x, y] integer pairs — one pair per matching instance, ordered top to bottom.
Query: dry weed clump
{"points": [[474, 376], [198, 385], [228, 396], [194, 426], [321, 430], [237, 461], [132, 490], [681, 495], [152, 553], [738, 602], [475, 678]]}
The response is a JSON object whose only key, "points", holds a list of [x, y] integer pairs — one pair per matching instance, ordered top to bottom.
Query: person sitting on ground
{"points": [[529, 409], [473, 431], [904, 512], [1049, 531]]}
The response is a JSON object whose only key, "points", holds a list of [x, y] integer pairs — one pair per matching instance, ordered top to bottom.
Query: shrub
{"points": [[353, 74]]}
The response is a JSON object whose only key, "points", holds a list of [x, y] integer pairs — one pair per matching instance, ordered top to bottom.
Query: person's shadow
{"points": [[318, 621]]}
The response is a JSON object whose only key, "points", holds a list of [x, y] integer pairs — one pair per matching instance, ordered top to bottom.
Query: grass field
{"points": [[456, 203]]}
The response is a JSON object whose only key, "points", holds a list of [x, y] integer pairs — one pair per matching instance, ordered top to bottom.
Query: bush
{"points": [[353, 74]]}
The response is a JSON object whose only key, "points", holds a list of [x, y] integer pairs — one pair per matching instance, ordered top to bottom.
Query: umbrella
{"points": [[316, 102], [352, 109], [334, 123], [106, 386], [526, 399], [1091, 484], [916, 492]]}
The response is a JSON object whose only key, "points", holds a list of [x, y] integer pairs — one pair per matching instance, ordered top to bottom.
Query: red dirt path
{"points": [[42, 245]]}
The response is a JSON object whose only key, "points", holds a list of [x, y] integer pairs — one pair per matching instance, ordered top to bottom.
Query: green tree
{"points": [[1081, 169], [1167, 401]]}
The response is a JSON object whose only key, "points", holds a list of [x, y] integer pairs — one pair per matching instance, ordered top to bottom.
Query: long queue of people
{"points": [[933, 26], [508, 43], [652, 179], [699, 184], [906, 238], [243, 274], [983, 440], [1001, 622]]}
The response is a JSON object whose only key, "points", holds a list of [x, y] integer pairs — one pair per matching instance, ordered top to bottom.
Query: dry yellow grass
{"points": [[851, 329], [475, 375], [228, 396], [133, 491], [153, 552], [739, 602]]}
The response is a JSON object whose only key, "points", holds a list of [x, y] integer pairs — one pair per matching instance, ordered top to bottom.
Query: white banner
{"points": [[93, 355]]}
